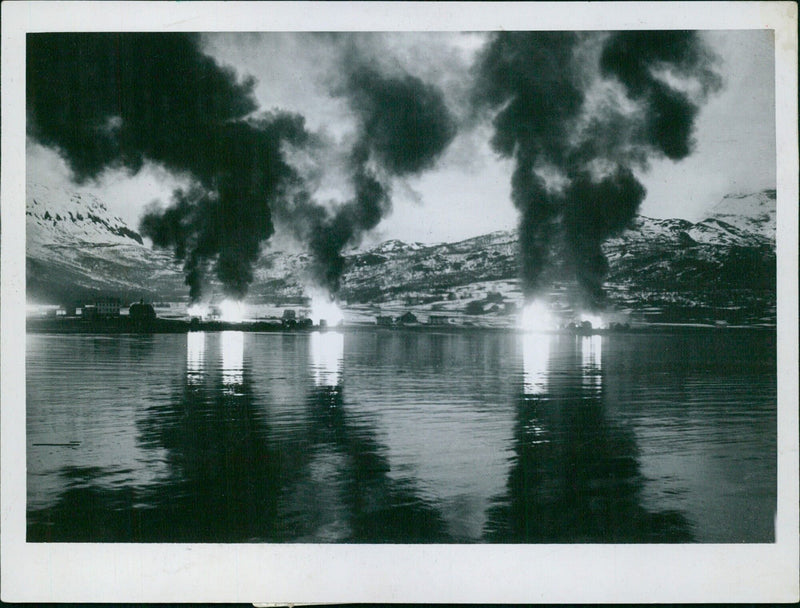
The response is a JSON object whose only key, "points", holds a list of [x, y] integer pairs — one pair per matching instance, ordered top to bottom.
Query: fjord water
{"points": [[402, 436]]}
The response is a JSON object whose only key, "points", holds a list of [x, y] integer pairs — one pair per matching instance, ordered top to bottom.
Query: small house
{"points": [[139, 311], [407, 318], [289, 319], [383, 321]]}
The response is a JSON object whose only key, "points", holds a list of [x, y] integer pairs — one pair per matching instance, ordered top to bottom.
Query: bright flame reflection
{"points": [[324, 308], [231, 311], [536, 316], [232, 346], [327, 353], [195, 354], [535, 359], [592, 360]]}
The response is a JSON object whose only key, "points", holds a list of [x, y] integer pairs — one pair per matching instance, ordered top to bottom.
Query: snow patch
{"points": [[754, 212]]}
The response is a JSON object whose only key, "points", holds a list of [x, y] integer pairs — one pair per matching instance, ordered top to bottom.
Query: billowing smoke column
{"points": [[116, 100], [577, 113], [404, 126], [225, 220]]}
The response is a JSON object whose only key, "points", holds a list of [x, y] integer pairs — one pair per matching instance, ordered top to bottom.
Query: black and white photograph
{"points": [[508, 287]]}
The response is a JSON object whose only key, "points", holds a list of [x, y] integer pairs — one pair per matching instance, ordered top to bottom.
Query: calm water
{"points": [[391, 436]]}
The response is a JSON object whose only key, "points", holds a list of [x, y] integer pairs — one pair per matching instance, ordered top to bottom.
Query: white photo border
{"points": [[291, 573]]}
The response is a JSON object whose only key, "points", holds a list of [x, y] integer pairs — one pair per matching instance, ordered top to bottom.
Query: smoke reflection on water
{"points": [[419, 438], [576, 475], [347, 490]]}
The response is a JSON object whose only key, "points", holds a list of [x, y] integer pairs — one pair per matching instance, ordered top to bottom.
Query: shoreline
{"points": [[125, 325]]}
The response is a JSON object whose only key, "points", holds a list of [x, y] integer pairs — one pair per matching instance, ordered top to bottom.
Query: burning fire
{"points": [[324, 308], [197, 310], [231, 311], [536, 316], [595, 319]]}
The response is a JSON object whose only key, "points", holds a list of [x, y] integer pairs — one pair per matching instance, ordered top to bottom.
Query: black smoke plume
{"points": [[634, 58], [117, 100], [405, 123], [404, 126], [573, 180], [328, 232]]}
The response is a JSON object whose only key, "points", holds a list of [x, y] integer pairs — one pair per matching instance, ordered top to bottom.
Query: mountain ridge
{"points": [[77, 250]]}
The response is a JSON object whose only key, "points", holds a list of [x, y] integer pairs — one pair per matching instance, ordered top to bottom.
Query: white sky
{"points": [[467, 192]]}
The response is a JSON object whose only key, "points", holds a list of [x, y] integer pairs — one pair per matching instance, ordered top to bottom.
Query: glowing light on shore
{"points": [[324, 308], [197, 310], [231, 311], [536, 316], [595, 319], [327, 354]]}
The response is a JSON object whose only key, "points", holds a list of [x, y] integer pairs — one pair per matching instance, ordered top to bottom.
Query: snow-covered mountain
{"points": [[749, 212], [55, 217], [77, 249]]}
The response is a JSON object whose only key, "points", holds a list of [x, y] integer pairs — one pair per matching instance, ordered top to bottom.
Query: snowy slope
{"points": [[753, 212], [56, 217], [715, 231], [75, 248]]}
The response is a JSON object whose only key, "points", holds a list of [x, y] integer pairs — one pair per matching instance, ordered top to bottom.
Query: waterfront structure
{"points": [[107, 307], [139, 311], [407, 318], [438, 320]]}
